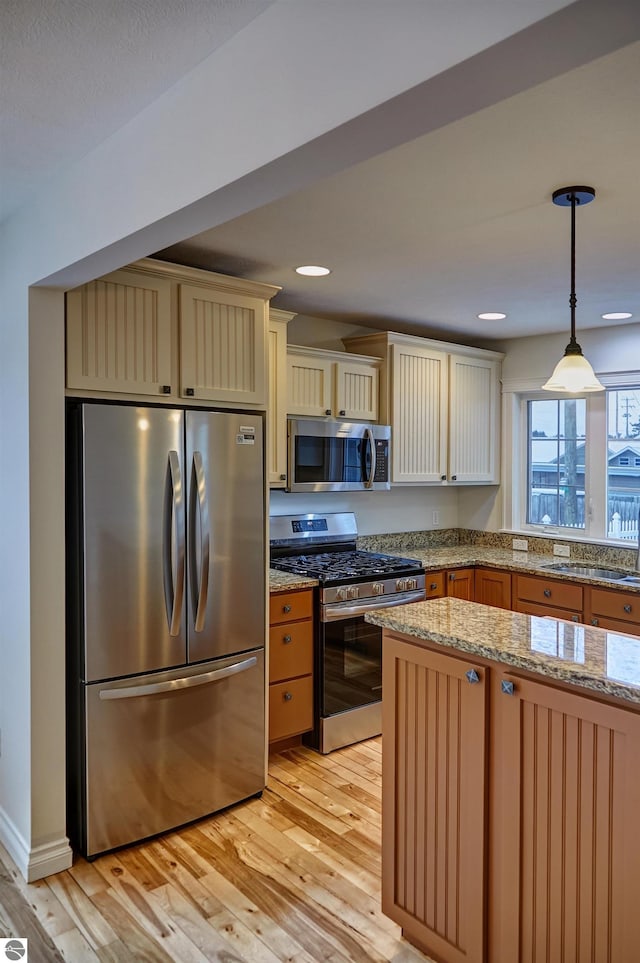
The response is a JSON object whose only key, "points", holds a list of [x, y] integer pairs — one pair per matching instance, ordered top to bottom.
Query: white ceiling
{"points": [[421, 237]]}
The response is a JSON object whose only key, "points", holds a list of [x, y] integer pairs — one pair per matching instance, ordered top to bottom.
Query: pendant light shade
{"points": [[573, 373]]}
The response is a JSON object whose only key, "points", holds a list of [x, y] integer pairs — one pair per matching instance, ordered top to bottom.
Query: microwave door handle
{"points": [[372, 472]]}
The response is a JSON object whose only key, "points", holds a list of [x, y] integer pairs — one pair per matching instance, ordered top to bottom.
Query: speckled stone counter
{"points": [[533, 563], [283, 581], [589, 658]]}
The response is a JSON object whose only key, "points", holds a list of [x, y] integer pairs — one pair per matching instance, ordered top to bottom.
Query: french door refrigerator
{"points": [[166, 618]]}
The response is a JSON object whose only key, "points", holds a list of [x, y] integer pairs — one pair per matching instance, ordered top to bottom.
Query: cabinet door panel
{"points": [[119, 335], [222, 346], [309, 385], [356, 392], [419, 414], [473, 420], [460, 584], [493, 588], [434, 745], [566, 797]]}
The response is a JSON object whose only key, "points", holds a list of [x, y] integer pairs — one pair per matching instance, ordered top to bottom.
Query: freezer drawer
{"points": [[167, 748]]}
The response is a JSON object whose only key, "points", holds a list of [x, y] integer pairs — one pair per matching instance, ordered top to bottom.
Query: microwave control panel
{"points": [[381, 473]]}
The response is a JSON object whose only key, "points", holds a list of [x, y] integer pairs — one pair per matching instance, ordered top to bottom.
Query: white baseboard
{"points": [[39, 861]]}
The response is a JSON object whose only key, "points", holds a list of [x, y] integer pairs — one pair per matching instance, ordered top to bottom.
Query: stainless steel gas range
{"points": [[348, 651]]}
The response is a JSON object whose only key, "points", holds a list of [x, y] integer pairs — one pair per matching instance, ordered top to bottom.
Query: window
{"points": [[556, 462], [580, 468]]}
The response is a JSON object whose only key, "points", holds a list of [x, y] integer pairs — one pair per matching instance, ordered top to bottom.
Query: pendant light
{"points": [[573, 373]]}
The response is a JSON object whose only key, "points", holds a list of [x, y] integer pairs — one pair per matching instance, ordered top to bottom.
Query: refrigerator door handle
{"points": [[199, 580], [173, 586], [154, 688]]}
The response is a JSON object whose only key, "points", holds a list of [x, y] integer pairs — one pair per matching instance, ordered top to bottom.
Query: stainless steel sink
{"points": [[592, 571]]}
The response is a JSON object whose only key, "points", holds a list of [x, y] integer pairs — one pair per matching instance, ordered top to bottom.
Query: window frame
{"points": [[515, 469]]}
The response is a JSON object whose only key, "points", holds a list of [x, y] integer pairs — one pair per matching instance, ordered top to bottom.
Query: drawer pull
{"points": [[452, 577], [433, 586], [547, 593], [286, 609], [627, 609], [575, 618], [595, 622], [286, 639], [472, 676], [507, 687], [287, 697]]}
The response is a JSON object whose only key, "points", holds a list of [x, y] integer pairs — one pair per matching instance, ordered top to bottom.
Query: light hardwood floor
{"points": [[292, 876]]}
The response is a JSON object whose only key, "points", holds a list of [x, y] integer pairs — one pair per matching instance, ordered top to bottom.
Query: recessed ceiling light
{"points": [[312, 270], [617, 315], [492, 316]]}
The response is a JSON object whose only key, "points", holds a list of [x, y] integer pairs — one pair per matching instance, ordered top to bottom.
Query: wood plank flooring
{"points": [[293, 876]]}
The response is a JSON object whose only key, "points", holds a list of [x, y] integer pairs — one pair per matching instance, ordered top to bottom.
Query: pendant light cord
{"points": [[572, 298]]}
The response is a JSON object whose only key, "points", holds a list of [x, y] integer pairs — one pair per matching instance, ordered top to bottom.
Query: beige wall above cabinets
{"points": [[162, 331], [332, 384], [442, 402]]}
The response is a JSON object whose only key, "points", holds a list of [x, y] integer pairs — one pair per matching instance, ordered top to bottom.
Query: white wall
{"points": [[611, 349], [401, 509]]}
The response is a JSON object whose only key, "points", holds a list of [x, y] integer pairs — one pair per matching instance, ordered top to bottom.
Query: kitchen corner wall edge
{"points": [[38, 861]]}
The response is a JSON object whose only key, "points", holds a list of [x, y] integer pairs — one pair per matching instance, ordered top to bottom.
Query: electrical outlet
{"points": [[435, 516], [520, 545], [562, 550]]}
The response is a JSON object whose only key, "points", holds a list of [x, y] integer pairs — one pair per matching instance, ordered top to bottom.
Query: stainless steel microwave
{"points": [[337, 456]]}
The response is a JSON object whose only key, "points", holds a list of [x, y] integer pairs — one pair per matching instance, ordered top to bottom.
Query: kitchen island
{"points": [[511, 785]]}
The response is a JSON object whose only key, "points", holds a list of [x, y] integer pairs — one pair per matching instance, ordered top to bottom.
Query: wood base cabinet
{"points": [[290, 664], [433, 811], [509, 818], [565, 850]]}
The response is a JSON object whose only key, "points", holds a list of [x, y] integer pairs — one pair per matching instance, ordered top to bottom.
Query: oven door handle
{"points": [[372, 445], [334, 611]]}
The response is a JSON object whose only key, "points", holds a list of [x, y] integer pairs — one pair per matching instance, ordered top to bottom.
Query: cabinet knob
{"points": [[166, 389], [189, 392], [327, 411], [342, 412], [283, 477], [443, 477], [454, 478], [452, 576], [433, 586], [547, 593], [286, 608], [627, 609], [575, 618], [595, 622], [286, 639], [472, 676], [507, 687], [287, 697]]}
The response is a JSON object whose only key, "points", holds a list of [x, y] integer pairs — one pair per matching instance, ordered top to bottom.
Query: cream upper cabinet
{"points": [[163, 329], [119, 334], [331, 383], [443, 406], [277, 407]]}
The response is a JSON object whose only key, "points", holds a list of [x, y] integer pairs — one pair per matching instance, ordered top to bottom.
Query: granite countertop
{"points": [[531, 563], [283, 581], [583, 656]]}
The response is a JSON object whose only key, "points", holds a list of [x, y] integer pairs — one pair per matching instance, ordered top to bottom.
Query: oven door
{"points": [[350, 665]]}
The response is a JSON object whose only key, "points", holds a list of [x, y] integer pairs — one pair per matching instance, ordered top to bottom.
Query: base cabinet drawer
{"points": [[547, 592], [290, 606], [546, 611], [618, 611], [290, 650], [290, 708]]}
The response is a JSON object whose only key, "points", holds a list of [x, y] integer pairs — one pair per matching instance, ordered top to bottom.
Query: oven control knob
{"points": [[412, 584], [401, 585], [377, 588], [353, 592], [341, 594]]}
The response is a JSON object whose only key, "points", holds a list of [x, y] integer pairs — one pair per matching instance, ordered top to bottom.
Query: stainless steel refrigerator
{"points": [[166, 618]]}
